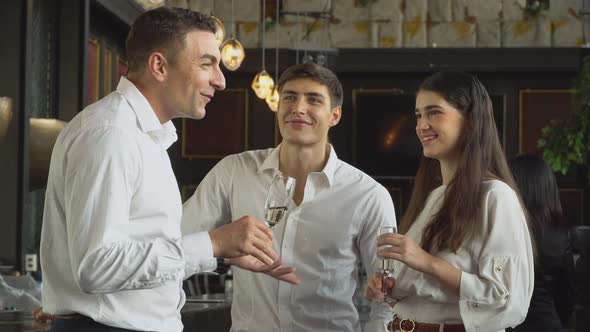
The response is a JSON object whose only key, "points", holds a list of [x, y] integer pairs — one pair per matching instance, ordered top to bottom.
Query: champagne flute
{"points": [[280, 194], [386, 264]]}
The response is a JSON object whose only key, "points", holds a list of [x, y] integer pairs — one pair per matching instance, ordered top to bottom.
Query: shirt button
{"points": [[498, 269]]}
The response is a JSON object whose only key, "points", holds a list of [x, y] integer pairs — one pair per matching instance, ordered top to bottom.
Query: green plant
{"points": [[567, 142]]}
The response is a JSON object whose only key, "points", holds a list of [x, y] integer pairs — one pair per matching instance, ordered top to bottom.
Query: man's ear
{"points": [[157, 66], [335, 115]]}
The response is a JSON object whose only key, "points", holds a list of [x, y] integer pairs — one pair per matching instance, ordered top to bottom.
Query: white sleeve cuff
{"points": [[198, 253]]}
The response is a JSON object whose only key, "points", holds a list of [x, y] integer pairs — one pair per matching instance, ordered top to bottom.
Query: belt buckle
{"points": [[401, 322]]}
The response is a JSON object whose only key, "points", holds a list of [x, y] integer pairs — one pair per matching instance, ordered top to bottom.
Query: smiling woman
{"points": [[439, 127], [464, 256]]}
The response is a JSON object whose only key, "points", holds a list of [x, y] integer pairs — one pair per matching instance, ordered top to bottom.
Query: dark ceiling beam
{"points": [[125, 10], [424, 60]]}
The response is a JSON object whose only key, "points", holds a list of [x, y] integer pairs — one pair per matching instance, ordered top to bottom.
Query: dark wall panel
{"points": [[12, 32]]}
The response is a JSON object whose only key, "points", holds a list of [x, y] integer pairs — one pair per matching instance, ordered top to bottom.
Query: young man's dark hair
{"points": [[163, 29], [317, 73]]}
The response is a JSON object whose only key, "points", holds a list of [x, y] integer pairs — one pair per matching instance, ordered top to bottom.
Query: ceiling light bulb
{"points": [[219, 31], [232, 54], [263, 84], [273, 99], [5, 116]]}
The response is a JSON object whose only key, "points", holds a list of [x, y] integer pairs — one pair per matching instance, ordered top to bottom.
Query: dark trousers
{"points": [[83, 324]]}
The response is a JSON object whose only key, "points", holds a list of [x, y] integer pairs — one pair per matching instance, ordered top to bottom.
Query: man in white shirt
{"points": [[331, 225], [112, 253]]}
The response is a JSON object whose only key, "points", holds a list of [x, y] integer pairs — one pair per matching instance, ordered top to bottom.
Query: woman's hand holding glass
{"points": [[393, 246], [404, 249]]}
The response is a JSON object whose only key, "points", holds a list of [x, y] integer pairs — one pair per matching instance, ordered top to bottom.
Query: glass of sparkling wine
{"points": [[280, 195], [386, 265]]}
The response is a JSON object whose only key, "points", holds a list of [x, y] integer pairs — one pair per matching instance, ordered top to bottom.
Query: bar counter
{"points": [[207, 314]]}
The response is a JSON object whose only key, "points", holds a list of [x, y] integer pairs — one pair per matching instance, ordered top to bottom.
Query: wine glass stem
{"points": [[383, 284]]}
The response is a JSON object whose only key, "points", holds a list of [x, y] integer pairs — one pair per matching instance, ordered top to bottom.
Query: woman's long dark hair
{"points": [[481, 158], [539, 190]]}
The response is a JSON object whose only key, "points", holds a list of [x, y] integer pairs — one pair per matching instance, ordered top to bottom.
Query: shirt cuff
{"points": [[198, 253], [469, 282], [468, 308]]}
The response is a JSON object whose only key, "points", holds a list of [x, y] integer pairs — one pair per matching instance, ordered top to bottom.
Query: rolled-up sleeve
{"points": [[103, 174], [498, 293]]}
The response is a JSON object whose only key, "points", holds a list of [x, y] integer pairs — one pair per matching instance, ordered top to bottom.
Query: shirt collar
{"points": [[163, 134], [272, 162]]}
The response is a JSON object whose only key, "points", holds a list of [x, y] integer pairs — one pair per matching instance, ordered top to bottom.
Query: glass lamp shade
{"points": [[219, 31], [232, 54], [263, 84], [273, 99], [5, 116]]}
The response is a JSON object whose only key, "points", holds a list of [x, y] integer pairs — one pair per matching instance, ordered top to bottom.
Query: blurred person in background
{"points": [[554, 293]]}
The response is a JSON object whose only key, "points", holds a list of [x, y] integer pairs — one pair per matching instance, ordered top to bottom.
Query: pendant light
{"points": [[219, 28], [219, 31], [232, 52], [263, 83], [273, 98], [5, 116]]}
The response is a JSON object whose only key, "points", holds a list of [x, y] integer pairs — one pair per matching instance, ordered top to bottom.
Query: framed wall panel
{"points": [[93, 70], [107, 71], [499, 109], [536, 109], [222, 132], [384, 137], [187, 190], [400, 191], [398, 202], [572, 203]]}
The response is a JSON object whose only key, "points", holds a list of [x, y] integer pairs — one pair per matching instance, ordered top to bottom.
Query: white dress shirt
{"points": [[324, 238], [111, 247], [497, 272]]}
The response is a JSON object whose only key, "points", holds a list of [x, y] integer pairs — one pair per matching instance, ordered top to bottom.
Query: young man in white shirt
{"points": [[331, 225], [112, 253]]}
